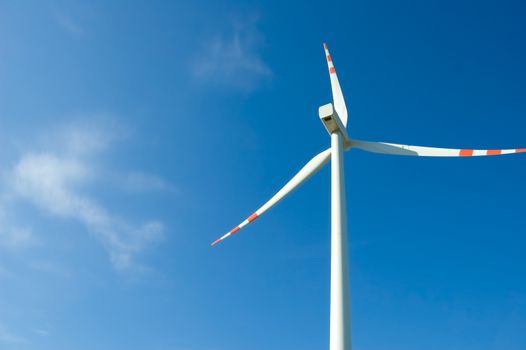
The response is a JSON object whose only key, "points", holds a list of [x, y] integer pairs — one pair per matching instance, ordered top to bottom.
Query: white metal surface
{"points": [[337, 95], [332, 122], [407, 150], [311, 168], [340, 326]]}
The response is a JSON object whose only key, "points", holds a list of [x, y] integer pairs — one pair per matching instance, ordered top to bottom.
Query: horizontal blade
{"points": [[337, 95], [407, 150], [311, 168]]}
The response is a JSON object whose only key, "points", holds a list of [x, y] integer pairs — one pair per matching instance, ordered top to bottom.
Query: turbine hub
{"points": [[332, 122]]}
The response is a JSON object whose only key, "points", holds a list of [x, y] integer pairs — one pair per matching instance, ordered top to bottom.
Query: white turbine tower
{"points": [[334, 118]]}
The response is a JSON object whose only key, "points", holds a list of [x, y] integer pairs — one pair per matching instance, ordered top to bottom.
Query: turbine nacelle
{"points": [[332, 122]]}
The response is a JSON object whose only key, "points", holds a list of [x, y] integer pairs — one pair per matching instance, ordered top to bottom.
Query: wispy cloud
{"points": [[68, 23], [234, 59], [54, 179], [138, 181], [12, 235], [50, 268], [42, 332], [7, 337]]}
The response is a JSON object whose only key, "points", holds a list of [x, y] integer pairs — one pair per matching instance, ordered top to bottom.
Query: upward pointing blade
{"points": [[337, 95], [311, 168]]}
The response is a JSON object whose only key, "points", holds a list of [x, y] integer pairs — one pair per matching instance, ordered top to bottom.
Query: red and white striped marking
{"points": [[332, 70], [337, 95], [408, 150], [488, 152], [309, 169], [237, 228]]}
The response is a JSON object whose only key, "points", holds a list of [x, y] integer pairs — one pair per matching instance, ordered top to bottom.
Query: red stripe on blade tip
{"points": [[332, 70], [520, 150], [466, 152], [493, 152], [252, 217], [234, 230], [215, 242]]}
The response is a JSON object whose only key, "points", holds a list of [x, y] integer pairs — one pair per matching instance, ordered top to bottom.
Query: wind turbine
{"points": [[334, 118]]}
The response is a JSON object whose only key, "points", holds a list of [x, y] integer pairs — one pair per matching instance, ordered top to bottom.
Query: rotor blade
{"points": [[337, 96], [406, 150], [312, 167]]}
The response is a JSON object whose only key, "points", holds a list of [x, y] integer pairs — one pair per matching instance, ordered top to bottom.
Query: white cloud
{"points": [[70, 25], [234, 58], [86, 138], [54, 179], [47, 180], [138, 181], [12, 235], [15, 236], [42, 332], [7, 337]]}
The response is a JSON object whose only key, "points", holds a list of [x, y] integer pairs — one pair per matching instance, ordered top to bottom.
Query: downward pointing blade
{"points": [[337, 95], [421, 151], [311, 168]]}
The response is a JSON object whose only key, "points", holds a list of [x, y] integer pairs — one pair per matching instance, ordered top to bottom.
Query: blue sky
{"points": [[133, 134]]}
